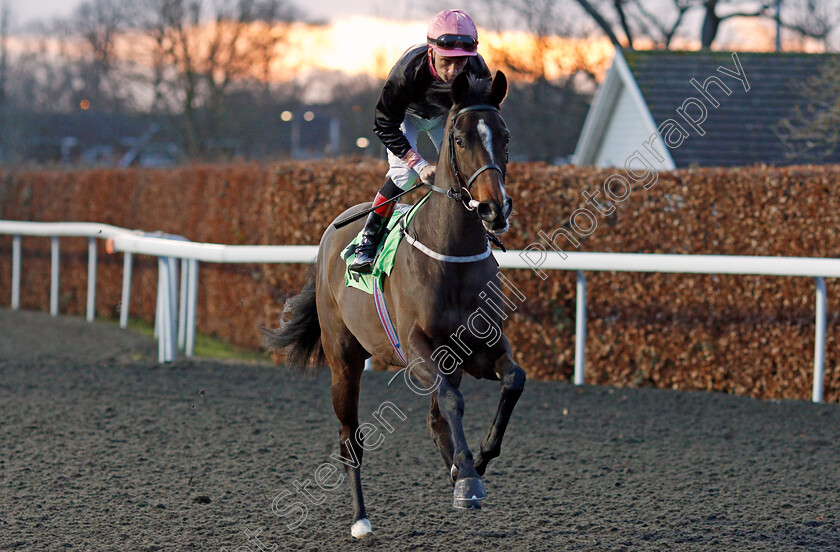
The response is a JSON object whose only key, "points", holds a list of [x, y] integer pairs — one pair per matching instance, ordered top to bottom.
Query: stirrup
{"points": [[372, 235], [364, 266]]}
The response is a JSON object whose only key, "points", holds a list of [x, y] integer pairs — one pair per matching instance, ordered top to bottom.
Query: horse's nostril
{"points": [[507, 208], [488, 211]]}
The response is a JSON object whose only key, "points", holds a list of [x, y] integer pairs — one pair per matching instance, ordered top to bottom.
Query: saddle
{"points": [[385, 253]]}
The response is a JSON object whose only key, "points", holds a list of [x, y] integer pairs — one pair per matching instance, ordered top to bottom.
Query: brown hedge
{"points": [[742, 334]]}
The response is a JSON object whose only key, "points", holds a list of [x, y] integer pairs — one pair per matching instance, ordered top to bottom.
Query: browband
{"points": [[477, 107]]}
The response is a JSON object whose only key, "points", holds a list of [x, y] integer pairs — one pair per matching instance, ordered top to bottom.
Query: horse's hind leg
{"points": [[346, 381], [512, 383], [441, 434]]}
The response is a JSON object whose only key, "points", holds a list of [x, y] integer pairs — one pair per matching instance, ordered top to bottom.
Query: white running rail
{"points": [[54, 230], [191, 254], [817, 268]]}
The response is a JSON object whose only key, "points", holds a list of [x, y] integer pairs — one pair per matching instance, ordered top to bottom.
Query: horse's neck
{"points": [[445, 225]]}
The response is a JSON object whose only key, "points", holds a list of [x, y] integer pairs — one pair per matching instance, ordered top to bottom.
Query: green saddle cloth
{"points": [[386, 252]]}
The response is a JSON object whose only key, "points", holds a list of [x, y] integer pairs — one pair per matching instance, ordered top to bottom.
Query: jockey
{"points": [[416, 97]]}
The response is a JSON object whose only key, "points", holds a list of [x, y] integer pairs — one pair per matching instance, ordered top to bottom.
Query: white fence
{"points": [[167, 249], [191, 254]]}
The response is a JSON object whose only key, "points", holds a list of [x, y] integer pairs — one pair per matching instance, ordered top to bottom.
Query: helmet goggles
{"points": [[466, 43]]}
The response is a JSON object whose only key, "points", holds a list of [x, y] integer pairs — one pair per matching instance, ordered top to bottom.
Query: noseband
{"points": [[464, 188]]}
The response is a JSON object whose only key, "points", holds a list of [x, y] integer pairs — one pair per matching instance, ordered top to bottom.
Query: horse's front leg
{"points": [[512, 379], [441, 435], [469, 490]]}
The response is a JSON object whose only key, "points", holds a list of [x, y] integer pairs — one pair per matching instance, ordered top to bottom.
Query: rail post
{"points": [[15, 272], [54, 276], [91, 288], [126, 289], [192, 301], [182, 304], [166, 309], [580, 328], [819, 343]]}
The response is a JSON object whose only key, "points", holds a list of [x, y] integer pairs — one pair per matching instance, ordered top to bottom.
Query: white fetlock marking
{"points": [[452, 471], [361, 529]]}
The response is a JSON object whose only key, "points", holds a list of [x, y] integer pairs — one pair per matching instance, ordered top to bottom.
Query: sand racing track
{"points": [[101, 448]]}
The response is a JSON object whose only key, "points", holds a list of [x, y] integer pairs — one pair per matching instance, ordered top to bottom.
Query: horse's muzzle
{"points": [[495, 217]]}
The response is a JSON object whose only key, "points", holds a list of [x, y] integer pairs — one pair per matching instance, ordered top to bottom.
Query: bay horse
{"points": [[434, 289]]}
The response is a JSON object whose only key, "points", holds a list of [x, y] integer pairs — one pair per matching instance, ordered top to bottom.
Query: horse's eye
{"points": [[459, 142]]}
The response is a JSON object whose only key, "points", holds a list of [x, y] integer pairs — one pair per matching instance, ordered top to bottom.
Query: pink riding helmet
{"points": [[452, 33]]}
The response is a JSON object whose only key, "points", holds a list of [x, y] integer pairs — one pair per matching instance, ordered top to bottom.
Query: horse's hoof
{"points": [[469, 492], [466, 504], [361, 529]]}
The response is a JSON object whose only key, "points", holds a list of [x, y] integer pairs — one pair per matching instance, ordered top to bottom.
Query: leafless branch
{"points": [[603, 24]]}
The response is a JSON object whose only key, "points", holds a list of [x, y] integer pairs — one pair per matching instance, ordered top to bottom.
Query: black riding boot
{"points": [[374, 228], [366, 250]]}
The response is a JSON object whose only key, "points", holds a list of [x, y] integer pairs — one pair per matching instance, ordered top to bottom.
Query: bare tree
{"points": [[713, 17], [540, 18], [816, 19], [663, 20], [658, 21], [97, 24], [605, 25], [662, 29], [4, 31], [4, 37], [203, 51], [67, 60], [46, 73]]}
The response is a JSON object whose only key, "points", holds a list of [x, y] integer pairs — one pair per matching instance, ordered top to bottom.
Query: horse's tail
{"points": [[299, 332]]}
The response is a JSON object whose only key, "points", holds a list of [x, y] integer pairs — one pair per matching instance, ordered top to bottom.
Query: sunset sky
{"points": [[27, 10], [735, 33], [363, 37], [365, 44], [370, 45]]}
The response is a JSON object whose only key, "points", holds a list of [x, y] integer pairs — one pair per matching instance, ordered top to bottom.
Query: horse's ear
{"points": [[460, 88], [498, 90]]}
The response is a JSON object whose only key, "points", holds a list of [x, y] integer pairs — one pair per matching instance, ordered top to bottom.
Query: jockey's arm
{"points": [[389, 116]]}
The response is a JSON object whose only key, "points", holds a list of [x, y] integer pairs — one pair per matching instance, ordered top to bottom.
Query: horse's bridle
{"points": [[464, 188]]}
